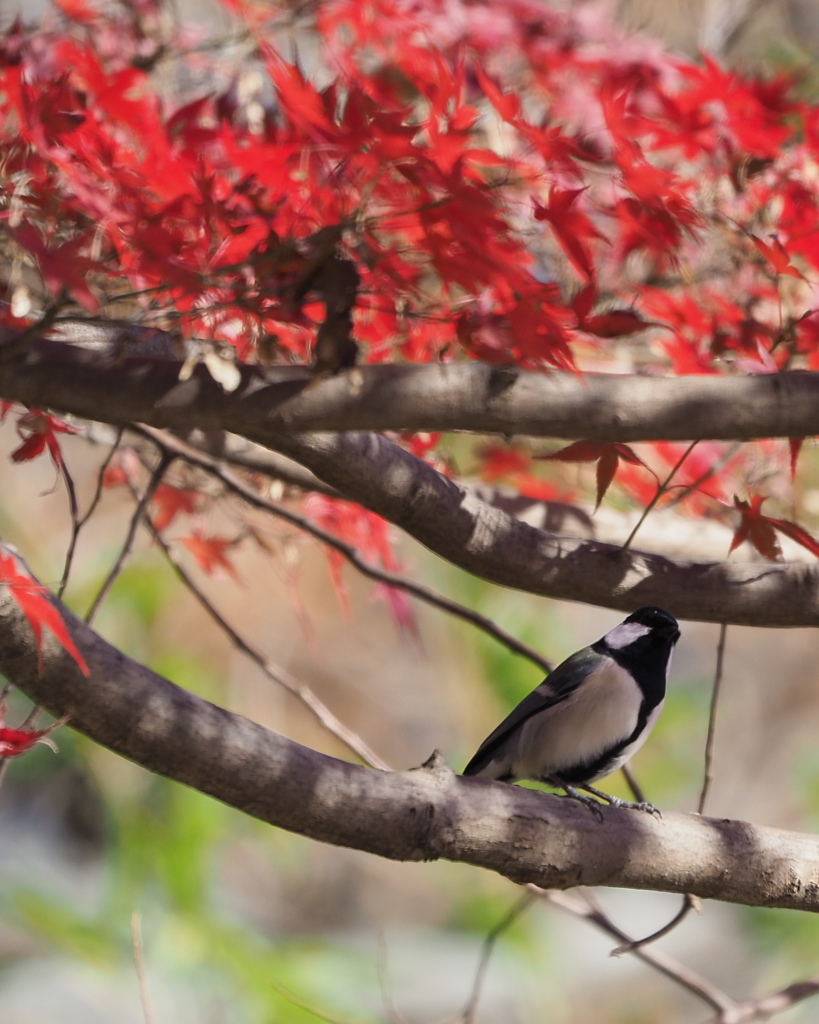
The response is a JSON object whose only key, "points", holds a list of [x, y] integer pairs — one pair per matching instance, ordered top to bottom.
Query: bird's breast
{"points": [[597, 717]]}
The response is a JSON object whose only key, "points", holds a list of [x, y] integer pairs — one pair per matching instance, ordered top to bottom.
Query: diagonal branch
{"points": [[172, 446], [447, 518], [453, 522], [276, 673], [424, 814], [673, 969]]}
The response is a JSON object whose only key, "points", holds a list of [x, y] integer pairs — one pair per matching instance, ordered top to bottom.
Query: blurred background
{"points": [[243, 923]]}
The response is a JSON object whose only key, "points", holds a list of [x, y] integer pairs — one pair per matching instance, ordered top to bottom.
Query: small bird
{"points": [[589, 715]]}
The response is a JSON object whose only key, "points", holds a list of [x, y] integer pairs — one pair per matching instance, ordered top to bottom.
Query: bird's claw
{"points": [[612, 801], [593, 805], [643, 805]]}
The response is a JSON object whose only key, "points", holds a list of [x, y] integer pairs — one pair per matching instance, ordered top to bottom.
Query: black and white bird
{"points": [[589, 715]]}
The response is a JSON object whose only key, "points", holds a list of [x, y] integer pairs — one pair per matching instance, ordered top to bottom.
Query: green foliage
{"points": [[80, 934]]}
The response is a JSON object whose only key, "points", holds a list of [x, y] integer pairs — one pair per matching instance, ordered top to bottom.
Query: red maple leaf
{"points": [[78, 10], [507, 104], [573, 228], [777, 255], [62, 265], [614, 323], [39, 433], [606, 455], [499, 461], [170, 502], [761, 530], [370, 535], [210, 552], [35, 603], [14, 742]]}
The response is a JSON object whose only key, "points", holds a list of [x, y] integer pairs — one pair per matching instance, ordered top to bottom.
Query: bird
{"points": [[589, 715]]}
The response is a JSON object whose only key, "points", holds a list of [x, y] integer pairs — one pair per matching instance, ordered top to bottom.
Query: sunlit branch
{"points": [[78, 374], [369, 469], [423, 814]]}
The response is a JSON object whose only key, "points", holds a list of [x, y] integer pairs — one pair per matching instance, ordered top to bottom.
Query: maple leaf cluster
{"points": [[451, 179]]}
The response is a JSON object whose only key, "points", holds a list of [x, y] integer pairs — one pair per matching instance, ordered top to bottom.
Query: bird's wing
{"points": [[554, 689]]}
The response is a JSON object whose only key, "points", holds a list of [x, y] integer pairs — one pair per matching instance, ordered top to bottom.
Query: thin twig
{"points": [[171, 445], [713, 469], [156, 478], [661, 489], [74, 510], [78, 523], [283, 678], [712, 720], [633, 784], [689, 903], [492, 937], [139, 966], [677, 972], [302, 1004], [766, 1006], [393, 1014]]}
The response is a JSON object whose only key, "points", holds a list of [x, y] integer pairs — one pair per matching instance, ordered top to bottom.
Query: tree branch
{"points": [[101, 379], [170, 445], [445, 517], [453, 522], [424, 814]]}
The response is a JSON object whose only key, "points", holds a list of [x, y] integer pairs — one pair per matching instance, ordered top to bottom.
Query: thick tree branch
{"points": [[103, 381], [447, 518], [453, 522], [424, 814]]}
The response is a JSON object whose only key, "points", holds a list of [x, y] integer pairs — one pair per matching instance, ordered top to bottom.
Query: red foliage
{"points": [[512, 182], [38, 431], [607, 456], [169, 502], [761, 530], [368, 534], [211, 552], [35, 603], [14, 742]]}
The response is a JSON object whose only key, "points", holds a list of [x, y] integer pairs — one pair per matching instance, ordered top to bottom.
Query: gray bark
{"points": [[102, 382], [422, 814]]}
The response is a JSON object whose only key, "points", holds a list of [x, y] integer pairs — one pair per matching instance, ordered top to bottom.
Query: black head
{"points": [[661, 622], [642, 644]]}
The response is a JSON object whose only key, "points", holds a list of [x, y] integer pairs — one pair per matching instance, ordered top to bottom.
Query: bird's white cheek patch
{"points": [[624, 634]]}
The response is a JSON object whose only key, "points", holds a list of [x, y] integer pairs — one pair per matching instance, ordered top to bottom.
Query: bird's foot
{"points": [[575, 794], [615, 801]]}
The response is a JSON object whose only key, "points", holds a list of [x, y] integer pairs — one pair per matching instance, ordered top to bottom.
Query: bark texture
{"points": [[97, 376], [423, 814]]}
